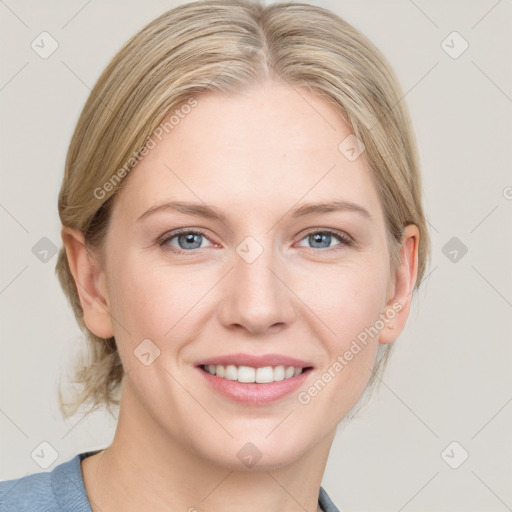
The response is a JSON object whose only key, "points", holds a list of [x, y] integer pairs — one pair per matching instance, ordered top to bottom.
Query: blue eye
{"points": [[322, 239], [187, 241]]}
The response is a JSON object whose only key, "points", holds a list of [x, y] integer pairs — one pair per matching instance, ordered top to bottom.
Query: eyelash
{"points": [[345, 239]]}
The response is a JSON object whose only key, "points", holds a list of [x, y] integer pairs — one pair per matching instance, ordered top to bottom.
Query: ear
{"points": [[90, 282], [401, 287]]}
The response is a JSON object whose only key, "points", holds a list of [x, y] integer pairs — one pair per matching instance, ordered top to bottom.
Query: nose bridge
{"points": [[257, 298]]}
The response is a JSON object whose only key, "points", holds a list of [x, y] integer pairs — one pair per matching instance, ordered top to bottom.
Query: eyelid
{"points": [[341, 234]]}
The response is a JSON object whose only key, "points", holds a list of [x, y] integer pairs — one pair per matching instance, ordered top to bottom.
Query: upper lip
{"points": [[255, 361]]}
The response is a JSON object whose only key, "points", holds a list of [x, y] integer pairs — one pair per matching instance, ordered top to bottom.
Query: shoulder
{"points": [[59, 490], [32, 492], [26, 493]]}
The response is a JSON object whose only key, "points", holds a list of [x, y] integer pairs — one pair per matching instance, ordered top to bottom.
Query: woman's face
{"points": [[272, 277]]}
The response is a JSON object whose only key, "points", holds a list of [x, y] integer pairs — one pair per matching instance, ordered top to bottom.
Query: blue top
{"points": [[63, 490]]}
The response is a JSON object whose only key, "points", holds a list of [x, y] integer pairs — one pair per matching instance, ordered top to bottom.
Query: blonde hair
{"points": [[224, 46]]}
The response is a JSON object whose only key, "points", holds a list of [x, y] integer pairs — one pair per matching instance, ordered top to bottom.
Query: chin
{"points": [[255, 453]]}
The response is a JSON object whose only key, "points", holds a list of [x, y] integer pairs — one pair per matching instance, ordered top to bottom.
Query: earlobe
{"points": [[90, 283], [398, 306]]}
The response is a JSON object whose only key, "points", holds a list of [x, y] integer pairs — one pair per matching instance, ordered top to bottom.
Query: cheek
{"points": [[348, 298], [155, 300], [350, 303]]}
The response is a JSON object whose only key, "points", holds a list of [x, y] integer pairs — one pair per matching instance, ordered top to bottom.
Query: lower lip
{"points": [[254, 393]]}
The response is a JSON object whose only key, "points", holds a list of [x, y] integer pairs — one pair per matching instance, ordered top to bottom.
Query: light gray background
{"points": [[449, 379]]}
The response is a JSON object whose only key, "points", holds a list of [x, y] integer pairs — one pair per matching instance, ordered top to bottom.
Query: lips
{"points": [[255, 361], [264, 379]]}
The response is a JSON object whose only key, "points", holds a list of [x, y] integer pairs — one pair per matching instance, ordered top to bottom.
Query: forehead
{"points": [[271, 145]]}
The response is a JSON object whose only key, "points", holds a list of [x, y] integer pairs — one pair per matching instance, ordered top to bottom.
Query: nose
{"points": [[257, 296]]}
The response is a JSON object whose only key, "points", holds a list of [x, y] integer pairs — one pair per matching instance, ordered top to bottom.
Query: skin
{"points": [[266, 150]]}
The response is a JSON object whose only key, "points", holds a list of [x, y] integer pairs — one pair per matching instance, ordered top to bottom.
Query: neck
{"points": [[146, 468]]}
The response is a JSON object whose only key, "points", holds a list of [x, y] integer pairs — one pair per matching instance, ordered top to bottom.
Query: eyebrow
{"points": [[332, 206], [209, 212]]}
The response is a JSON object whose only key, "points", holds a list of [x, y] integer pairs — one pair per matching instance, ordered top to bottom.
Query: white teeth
{"points": [[231, 372], [289, 372], [279, 373], [246, 374], [249, 374], [265, 375]]}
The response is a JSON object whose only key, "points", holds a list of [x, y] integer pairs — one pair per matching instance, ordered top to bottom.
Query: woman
{"points": [[242, 235]]}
